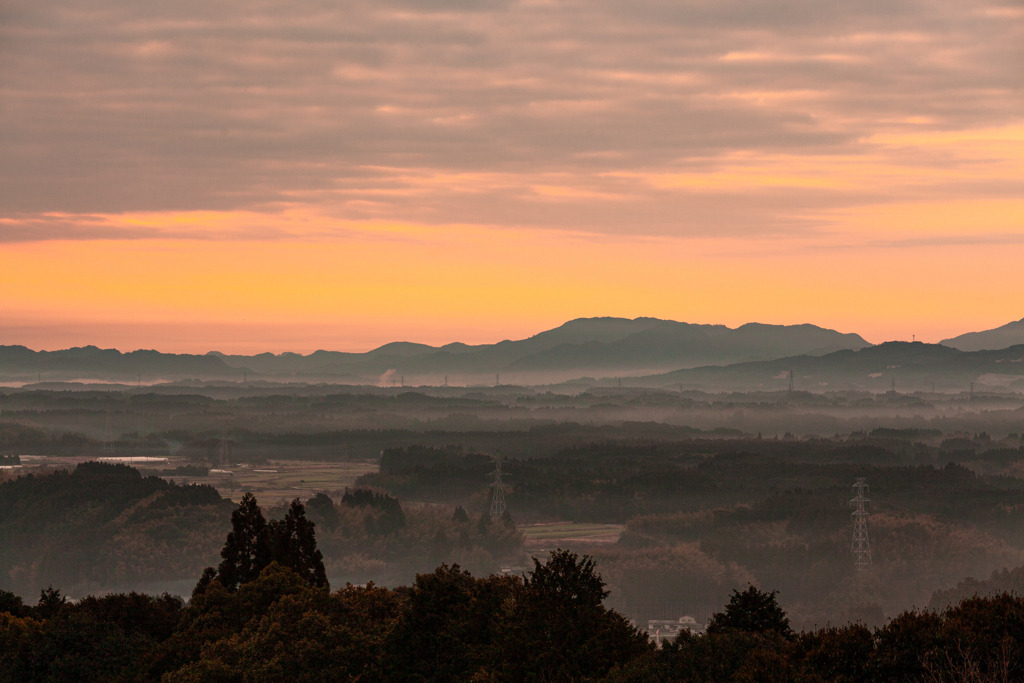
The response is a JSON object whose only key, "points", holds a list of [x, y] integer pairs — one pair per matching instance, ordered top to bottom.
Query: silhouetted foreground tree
{"points": [[253, 544], [452, 627]]}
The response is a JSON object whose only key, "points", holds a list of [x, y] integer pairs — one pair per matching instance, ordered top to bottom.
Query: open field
{"points": [[279, 482], [273, 483], [548, 536]]}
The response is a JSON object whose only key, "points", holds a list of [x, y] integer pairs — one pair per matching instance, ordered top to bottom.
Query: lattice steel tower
{"points": [[108, 437], [498, 497], [861, 546]]}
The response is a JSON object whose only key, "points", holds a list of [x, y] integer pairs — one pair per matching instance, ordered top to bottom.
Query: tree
{"points": [[321, 509], [460, 516], [253, 544], [294, 546], [247, 549], [208, 577], [50, 603], [12, 604], [752, 611], [448, 628], [559, 629]]}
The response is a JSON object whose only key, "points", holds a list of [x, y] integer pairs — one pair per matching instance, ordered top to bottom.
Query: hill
{"points": [[1010, 334], [20, 364], [907, 366]]}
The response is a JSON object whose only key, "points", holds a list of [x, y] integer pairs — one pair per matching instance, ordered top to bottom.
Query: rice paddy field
{"points": [[279, 482], [273, 483], [550, 536]]}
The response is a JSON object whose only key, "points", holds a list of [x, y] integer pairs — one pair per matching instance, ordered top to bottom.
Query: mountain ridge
{"points": [[1001, 337], [596, 345], [905, 366]]}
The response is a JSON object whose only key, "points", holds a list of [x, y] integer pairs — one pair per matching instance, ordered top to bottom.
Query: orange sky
{"points": [[189, 178]]}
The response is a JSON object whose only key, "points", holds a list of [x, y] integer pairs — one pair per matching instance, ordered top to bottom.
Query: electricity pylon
{"points": [[108, 438], [223, 455], [498, 497], [861, 546]]}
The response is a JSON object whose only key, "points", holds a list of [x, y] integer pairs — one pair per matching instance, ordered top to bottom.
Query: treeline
{"points": [[17, 439], [612, 483], [102, 526], [698, 526], [551, 625], [980, 639]]}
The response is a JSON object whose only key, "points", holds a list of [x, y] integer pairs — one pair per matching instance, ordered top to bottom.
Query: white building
{"points": [[661, 631]]}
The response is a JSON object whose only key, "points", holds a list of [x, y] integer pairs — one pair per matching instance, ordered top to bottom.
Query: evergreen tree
{"points": [[460, 516], [253, 544], [294, 546], [248, 547]]}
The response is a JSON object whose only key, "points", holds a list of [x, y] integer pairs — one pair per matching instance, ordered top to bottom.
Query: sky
{"points": [[271, 176]]}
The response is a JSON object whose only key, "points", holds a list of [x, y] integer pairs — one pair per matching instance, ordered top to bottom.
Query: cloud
{"points": [[653, 117]]}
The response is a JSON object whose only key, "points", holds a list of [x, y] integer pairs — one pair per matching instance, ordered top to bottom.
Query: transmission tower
{"points": [[791, 381], [108, 438], [223, 455], [498, 497], [861, 547]]}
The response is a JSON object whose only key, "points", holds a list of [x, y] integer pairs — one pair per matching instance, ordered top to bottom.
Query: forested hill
{"points": [[596, 346], [102, 526]]}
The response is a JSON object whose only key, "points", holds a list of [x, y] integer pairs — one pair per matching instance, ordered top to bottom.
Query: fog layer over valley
{"points": [[680, 496]]}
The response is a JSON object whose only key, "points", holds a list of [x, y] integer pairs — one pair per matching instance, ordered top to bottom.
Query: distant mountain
{"points": [[999, 338], [585, 346], [588, 346], [20, 364], [907, 366]]}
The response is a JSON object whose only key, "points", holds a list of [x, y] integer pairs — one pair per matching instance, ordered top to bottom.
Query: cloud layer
{"points": [[684, 118], [342, 174]]}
